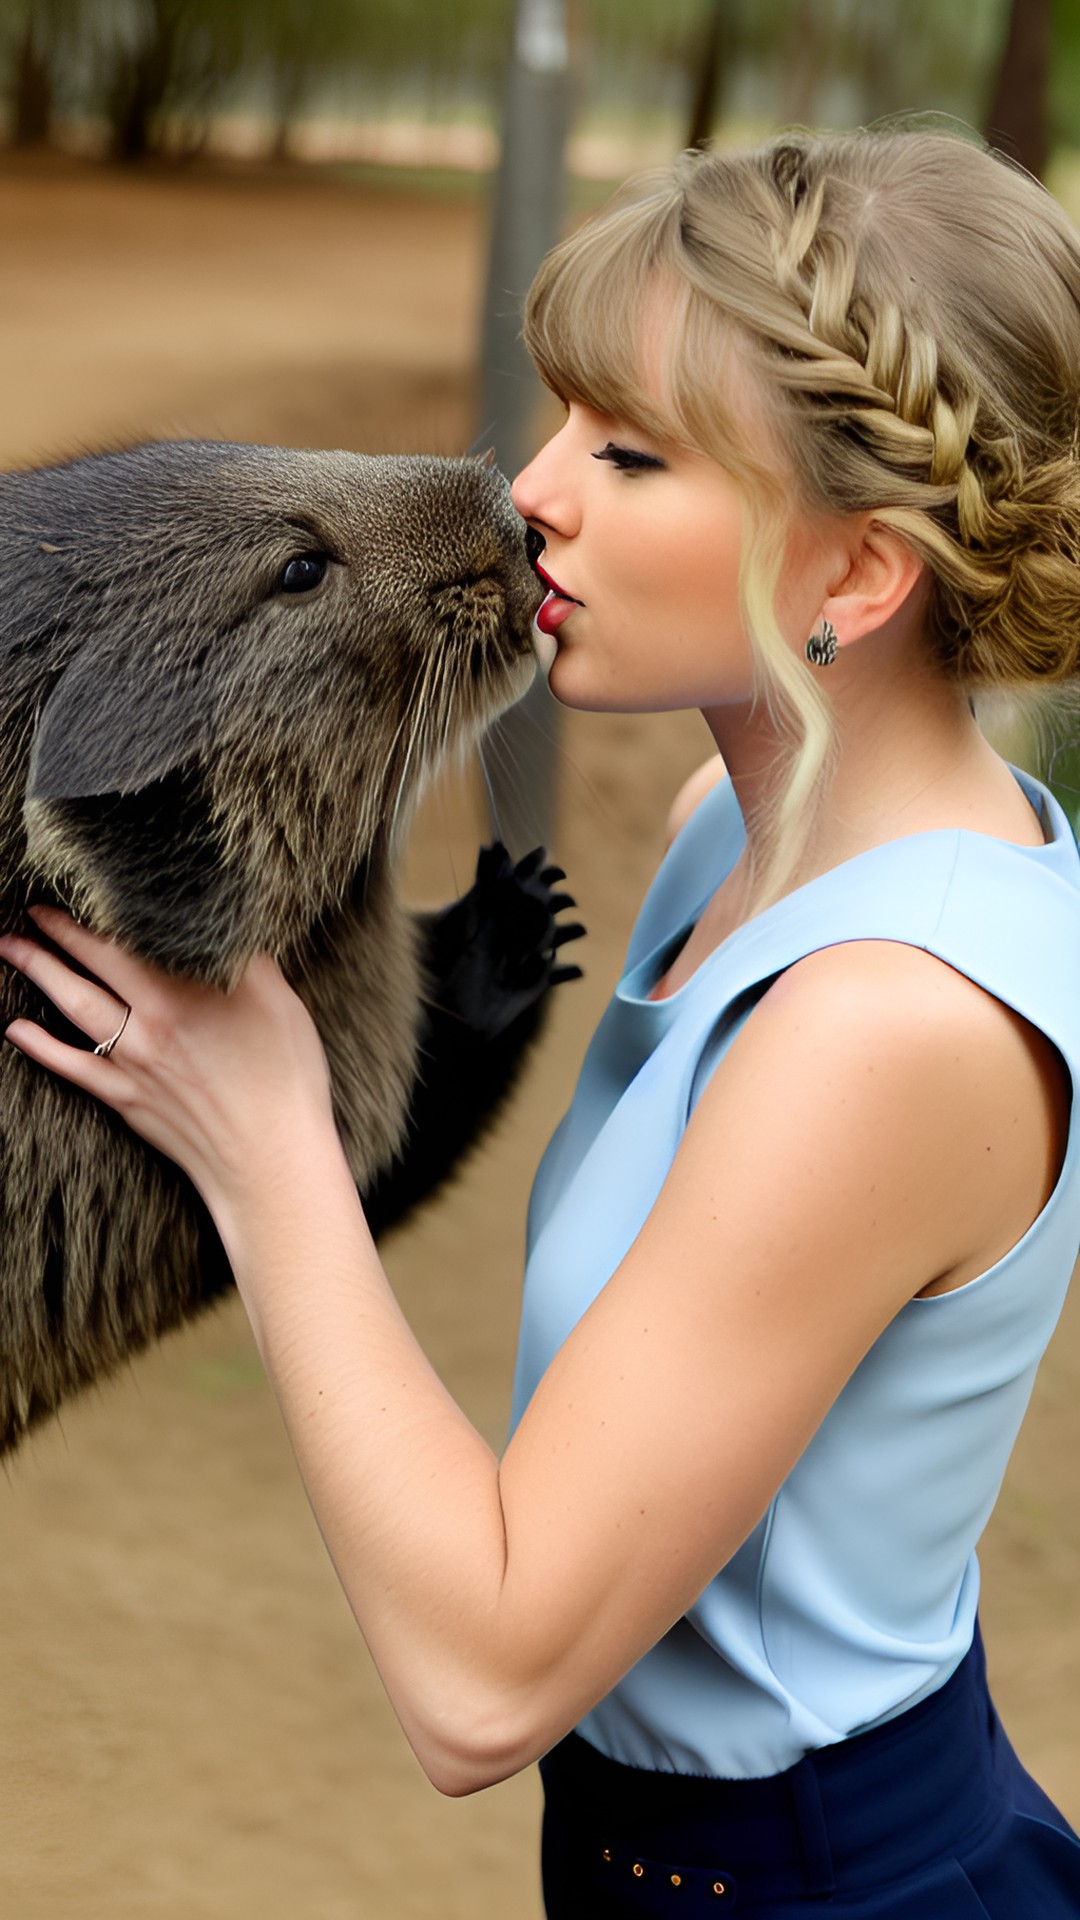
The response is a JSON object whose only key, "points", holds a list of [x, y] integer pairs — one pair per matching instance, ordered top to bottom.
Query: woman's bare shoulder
{"points": [[922, 1080]]}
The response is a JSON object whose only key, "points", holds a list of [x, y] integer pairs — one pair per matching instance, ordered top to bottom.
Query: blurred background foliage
{"points": [[136, 78], [572, 93]]}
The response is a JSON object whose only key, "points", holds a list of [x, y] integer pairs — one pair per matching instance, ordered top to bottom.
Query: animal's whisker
{"points": [[258, 741], [411, 752], [493, 810]]}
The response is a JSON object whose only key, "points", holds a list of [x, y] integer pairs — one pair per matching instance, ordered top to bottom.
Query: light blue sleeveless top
{"points": [[856, 1593]]}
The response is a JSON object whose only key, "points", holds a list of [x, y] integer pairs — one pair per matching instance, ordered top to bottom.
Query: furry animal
{"points": [[224, 674]]}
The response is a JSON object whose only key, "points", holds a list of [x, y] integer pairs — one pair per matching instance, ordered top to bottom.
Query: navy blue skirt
{"points": [[930, 1815]]}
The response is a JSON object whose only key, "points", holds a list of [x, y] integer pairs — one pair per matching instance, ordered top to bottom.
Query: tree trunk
{"points": [[812, 30], [709, 77], [141, 80], [290, 85], [32, 116], [1017, 120], [526, 222]]}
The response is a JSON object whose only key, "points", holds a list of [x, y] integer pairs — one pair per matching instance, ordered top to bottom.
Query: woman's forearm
{"points": [[406, 1492]]}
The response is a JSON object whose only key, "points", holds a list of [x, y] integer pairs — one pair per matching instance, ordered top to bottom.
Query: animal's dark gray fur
{"points": [[202, 765]]}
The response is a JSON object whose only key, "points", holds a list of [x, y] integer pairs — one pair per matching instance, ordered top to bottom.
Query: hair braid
{"points": [[910, 305]]}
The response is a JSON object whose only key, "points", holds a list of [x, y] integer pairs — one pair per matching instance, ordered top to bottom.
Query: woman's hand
{"points": [[218, 1082], [501, 1601]]}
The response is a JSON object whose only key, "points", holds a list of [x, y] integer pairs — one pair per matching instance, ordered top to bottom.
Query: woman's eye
{"points": [[628, 459], [303, 573]]}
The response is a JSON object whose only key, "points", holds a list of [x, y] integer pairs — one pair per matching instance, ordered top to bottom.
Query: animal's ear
{"points": [[114, 725]]}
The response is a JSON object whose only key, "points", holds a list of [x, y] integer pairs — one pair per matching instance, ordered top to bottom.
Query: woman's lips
{"points": [[558, 605], [554, 611]]}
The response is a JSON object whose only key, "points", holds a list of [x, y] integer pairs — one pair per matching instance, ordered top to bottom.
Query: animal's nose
{"points": [[534, 545]]}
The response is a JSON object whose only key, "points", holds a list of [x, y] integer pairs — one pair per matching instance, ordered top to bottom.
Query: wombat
{"points": [[225, 673]]}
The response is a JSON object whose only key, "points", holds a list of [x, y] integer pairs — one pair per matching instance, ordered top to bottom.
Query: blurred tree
{"points": [[822, 36], [36, 41], [298, 46], [341, 51], [713, 55], [156, 61], [838, 62], [844, 63], [157, 70], [139, 75], [1063, 85], [32, 103], [1018, 118], [520, 759]]}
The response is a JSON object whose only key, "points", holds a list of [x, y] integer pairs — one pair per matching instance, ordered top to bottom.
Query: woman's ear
{"points": [[883, 573]]}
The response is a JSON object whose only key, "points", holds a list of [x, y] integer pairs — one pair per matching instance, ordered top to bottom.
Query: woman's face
{"points": [[644, 539], [642, 546]]}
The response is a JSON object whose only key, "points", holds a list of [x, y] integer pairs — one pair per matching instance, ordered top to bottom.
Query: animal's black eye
{"points": [[303, 573]]}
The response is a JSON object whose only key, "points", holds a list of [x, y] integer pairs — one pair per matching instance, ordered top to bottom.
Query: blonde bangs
{"points": [[592, 314], [585, 315]]}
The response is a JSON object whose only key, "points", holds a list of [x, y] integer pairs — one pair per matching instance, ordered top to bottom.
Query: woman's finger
{"points": [[120, 971], [95, 1010], [75, 1064]]}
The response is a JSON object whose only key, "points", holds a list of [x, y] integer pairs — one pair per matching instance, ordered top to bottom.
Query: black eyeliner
{"points": [[627, 459]]}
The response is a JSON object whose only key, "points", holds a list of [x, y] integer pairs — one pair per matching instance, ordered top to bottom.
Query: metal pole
{"points": [[521, 757]]}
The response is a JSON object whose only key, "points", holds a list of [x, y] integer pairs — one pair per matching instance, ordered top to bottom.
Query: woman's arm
{"points": [[879, 1125]]}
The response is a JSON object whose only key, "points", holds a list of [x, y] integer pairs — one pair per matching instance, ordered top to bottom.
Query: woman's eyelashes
{"points": [[628, 459]]}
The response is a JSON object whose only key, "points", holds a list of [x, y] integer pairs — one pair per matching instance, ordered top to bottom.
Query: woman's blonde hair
{"points": [[910, 306]]}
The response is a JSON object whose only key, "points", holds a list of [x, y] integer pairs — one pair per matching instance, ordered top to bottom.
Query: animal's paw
{"points": [[493, 953]]}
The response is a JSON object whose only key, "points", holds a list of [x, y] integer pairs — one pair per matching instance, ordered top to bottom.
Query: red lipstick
{"points": [[553, 584], [558, 605], [555, 609]]}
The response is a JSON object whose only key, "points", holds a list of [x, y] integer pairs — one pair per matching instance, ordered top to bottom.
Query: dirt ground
{"points": [[190, 1728]]}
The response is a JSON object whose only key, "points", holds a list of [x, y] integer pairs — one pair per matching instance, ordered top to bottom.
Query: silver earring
{"points": [[821, 647]]}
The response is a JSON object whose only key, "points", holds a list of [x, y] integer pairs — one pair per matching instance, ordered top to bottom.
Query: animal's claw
{"points": [[530, 863], [574, 931], [493, 951], [559, 974]]}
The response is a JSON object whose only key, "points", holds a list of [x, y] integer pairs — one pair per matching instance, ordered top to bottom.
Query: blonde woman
{"points": [[797, 1248]]}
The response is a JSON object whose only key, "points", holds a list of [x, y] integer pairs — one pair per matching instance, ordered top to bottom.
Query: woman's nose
{"points": [[525, 490], [541, 493]]}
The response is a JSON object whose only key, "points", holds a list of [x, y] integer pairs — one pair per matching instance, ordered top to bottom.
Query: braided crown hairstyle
{"points": [[908, 305]]}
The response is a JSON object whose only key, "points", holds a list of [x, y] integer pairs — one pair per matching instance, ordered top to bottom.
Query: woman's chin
{"points": [[570, 685]]}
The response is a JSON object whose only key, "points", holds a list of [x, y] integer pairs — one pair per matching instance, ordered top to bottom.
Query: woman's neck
{"points": [[910, 758]]}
